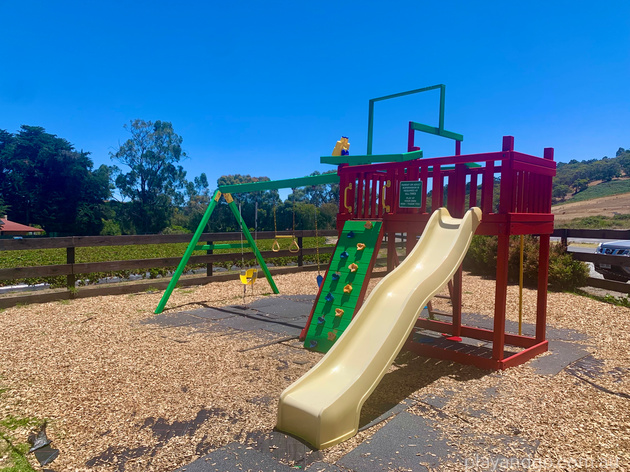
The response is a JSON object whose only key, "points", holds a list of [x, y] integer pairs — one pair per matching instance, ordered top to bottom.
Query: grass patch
{"points": [[597, 222], [618, 301], [13, 453], [13, 457]]}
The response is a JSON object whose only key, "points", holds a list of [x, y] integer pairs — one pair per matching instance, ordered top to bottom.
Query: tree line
{"points": [[574, 176], [46, 182]]}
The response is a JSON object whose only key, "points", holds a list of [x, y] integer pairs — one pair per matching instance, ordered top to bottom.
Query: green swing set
{"points": [[247, 276]]}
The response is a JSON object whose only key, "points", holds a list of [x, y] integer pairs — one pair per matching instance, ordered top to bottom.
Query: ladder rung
{"points": [[445, 297], [441, 313]]}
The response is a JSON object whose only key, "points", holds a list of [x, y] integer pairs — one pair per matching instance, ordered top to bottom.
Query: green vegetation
{"points": [[576, 176], [44, 180], [604, 189], [597, 222], [10, 259], [565, 274], [619, 301], [12, 451]]}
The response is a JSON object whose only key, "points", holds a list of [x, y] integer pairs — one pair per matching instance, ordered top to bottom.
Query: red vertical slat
{"points": [[424, 177], [438, 187], [487, 187], [526, 191], [518, 192], [472, 194], [374, 196], [366, 197], [359, 202]]}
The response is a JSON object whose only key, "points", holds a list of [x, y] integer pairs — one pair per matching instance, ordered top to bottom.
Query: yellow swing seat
{"points": [[249, 276]]}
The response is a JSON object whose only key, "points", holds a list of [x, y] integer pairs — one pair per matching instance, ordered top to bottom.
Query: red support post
{"points": [[543, 279], [500, 297], [456, 301]]}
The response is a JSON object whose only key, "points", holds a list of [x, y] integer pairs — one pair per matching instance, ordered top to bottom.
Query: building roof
{"points": [[8, 227]]}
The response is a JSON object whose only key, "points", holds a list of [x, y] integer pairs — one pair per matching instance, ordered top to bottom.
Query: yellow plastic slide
{"points": [[323, 406]]}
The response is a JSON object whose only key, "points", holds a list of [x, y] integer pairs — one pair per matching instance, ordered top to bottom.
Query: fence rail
{"points": [[598, 234], [72, 269]]}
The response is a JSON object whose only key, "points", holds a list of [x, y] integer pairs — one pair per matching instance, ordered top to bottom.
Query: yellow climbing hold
{"points": [[368, 225], [360, 246], [353, 267], [347, 289], [338, 312], [332, 335]]}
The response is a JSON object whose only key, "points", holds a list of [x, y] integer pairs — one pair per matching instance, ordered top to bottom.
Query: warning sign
{"points": [[410, 195]]}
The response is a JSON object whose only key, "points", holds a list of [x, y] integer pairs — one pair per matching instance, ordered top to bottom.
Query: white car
{"points": [[612, 271]]}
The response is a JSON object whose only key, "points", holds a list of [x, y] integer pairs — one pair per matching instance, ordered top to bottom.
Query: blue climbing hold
{"points": [[351, 234], [343, 255], [336, 276], [320, 279], [329, 297], [321, 320], [313, 344]]}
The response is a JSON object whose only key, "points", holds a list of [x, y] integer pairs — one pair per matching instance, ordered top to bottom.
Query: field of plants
{"points": [[604, 189], [42, 257]]}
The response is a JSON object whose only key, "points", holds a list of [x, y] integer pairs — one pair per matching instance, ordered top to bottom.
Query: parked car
{"points": [[612, 271]]}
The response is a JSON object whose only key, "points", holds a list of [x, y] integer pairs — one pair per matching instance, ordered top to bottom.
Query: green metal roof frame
{"points": [[439, 131], [370, 159], [330, 178]]}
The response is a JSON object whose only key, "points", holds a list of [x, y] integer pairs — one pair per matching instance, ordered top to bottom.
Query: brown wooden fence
{"points": [[598, 234], [71, 269]]}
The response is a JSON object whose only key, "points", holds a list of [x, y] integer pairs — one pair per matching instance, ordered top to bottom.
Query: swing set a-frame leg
{"points": [[250, 240], [193, 244], [189, 251]]}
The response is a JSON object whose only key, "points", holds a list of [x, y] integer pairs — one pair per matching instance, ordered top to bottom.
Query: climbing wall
{"points": [[344, 286]]}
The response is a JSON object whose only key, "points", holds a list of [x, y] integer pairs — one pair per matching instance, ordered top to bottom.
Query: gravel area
{"points": [[123, 395]]}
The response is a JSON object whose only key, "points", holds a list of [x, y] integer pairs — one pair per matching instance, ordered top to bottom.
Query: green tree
{"points": [[624, 162], [47, 182], [154, 183], [580, 185], [560, 192], [266, 201], [3, 208]]}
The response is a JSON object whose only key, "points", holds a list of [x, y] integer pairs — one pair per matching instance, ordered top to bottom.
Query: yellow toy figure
{"points": [[342, 147]]}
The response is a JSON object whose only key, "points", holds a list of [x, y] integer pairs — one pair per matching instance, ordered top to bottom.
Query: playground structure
{"points": [[392, 193]]}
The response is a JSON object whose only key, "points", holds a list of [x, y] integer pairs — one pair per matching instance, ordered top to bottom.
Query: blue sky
{"points": [[265, 88]]}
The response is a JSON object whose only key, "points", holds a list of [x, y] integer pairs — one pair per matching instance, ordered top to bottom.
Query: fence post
{"points": [[564, 239], [300, 261], [209, 264], [70, 278]]}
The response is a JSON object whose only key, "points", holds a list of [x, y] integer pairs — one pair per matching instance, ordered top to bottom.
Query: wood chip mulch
{"points": [[120, 394]]}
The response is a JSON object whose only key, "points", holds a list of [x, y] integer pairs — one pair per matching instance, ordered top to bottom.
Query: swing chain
{"points": [[317, 242], [275, 247], [295, 247]]}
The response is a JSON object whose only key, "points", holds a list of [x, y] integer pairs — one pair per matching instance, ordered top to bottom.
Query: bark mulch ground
{"points": [[121, 393]]}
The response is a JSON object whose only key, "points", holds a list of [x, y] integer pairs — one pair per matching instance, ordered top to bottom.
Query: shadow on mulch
{"points": [[412, 374], [163, 431]]}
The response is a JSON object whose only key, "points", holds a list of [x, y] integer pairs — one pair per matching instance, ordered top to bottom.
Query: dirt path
{"points": [[605, 206]]}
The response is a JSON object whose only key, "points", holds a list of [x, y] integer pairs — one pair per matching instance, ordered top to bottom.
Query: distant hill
{"points": [[575, 176], [602, 189]]}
